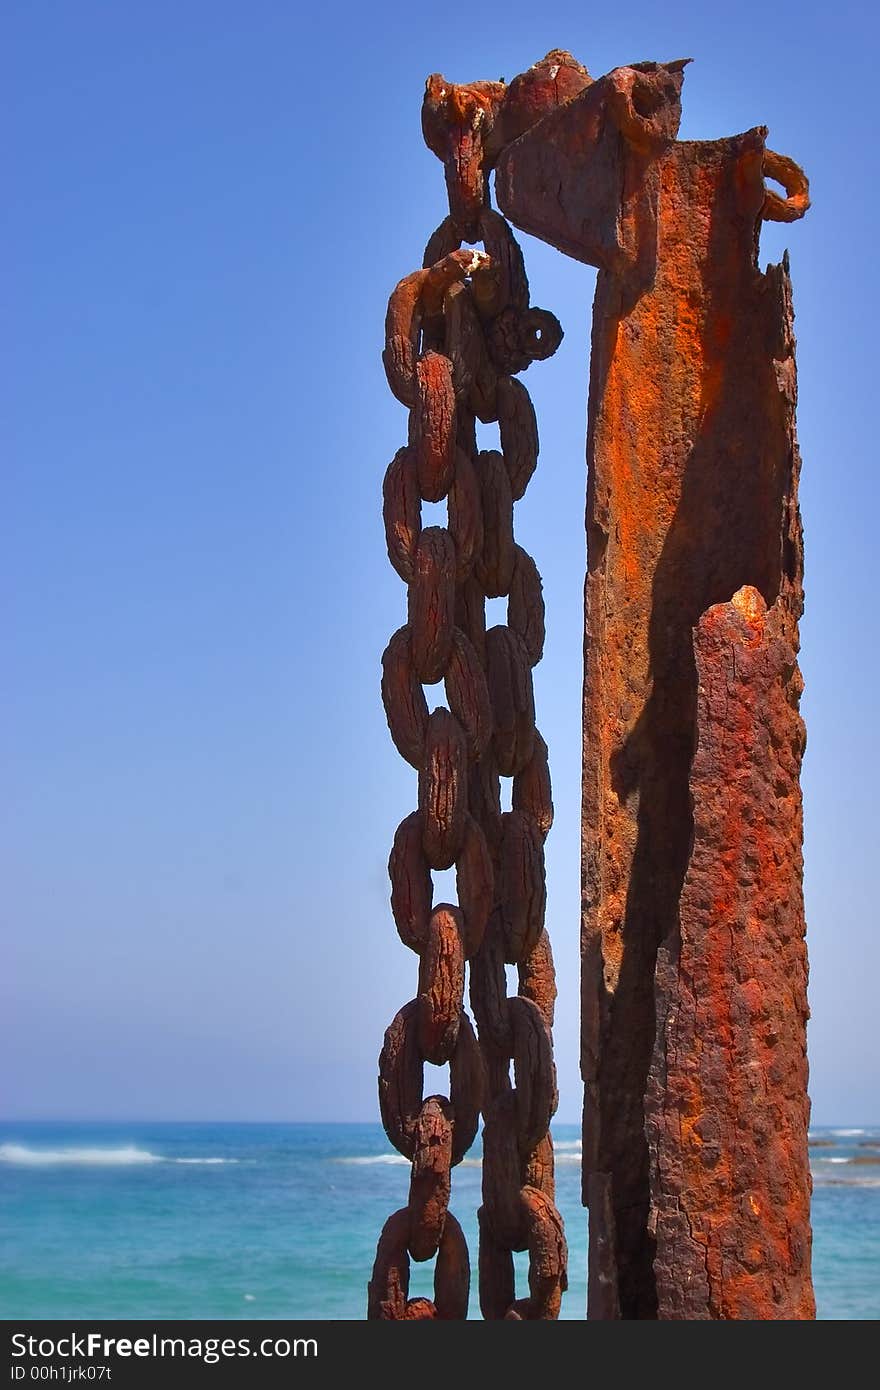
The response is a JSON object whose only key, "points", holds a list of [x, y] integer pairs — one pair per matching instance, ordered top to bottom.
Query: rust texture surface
{"points": [[457, 334], [693, 957], [726, 1103]]}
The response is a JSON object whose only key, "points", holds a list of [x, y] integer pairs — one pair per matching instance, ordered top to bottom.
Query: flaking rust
{"points": [[456, 332], [693, 959], [693, 1048], [726, 1106]]}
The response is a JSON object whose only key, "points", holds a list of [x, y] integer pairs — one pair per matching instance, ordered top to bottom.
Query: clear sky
{"points": [[207, 205]]}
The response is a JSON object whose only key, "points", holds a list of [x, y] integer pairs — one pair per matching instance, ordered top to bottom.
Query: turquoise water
{"points": [[277, 1221]]}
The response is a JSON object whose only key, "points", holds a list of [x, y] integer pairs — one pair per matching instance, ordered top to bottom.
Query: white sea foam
{"points": [[847, 1133], [568, 1152], [125, 1155], [48, 1158], [375, 1158], [200, 1160], [470, 1162], [847, 1180]]}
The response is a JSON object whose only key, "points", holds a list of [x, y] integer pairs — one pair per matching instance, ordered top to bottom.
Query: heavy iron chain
{"points": [[456, 334]]}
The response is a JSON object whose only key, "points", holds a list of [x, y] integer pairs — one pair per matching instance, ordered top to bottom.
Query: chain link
{"points": [[455, 333]]}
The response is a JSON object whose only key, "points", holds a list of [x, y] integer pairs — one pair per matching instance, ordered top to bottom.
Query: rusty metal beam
{"points": [[693, 959]]}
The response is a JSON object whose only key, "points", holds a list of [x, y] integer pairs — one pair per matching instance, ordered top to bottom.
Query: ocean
{"points": [[281, 1220]]}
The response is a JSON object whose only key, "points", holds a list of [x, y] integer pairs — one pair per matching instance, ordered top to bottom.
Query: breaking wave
{"points": [[126, 1155], [374, 1158]]}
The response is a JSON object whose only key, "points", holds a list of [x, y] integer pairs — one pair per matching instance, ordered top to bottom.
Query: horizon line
{"points": [[172, 1120]]}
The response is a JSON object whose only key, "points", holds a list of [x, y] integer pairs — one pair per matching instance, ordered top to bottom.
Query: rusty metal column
{"points": [[693, 959]]}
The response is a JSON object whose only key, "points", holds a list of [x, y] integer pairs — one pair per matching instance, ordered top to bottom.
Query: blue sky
{"points": [[210, 203]]}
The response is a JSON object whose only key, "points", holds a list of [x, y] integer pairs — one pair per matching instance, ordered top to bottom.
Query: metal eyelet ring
{"points": [[795, 183], [540, 334]]}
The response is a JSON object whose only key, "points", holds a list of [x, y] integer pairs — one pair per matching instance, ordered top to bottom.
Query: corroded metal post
{"points": [[693, 960]]}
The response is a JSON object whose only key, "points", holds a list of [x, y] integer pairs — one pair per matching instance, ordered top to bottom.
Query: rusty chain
{"points": [[456, 334]]}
